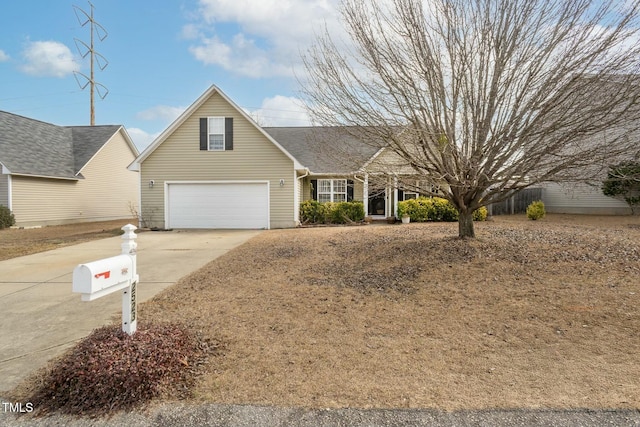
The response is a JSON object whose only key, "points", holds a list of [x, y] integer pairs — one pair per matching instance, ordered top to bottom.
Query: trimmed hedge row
{"points": [[425, 209], [314, 212]]}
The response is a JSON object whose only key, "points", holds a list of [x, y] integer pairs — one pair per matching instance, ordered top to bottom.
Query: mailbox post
{"points": [[99, 278], [129, 303]]}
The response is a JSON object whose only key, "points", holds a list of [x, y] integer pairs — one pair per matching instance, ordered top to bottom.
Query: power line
{"points": [[95, 57], [39, 95]]}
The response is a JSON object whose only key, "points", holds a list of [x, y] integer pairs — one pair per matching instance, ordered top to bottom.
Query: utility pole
{"points": [[87, 49]]}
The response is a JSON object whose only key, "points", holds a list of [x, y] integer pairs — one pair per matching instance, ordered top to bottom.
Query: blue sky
{"points": [[161, 57]]}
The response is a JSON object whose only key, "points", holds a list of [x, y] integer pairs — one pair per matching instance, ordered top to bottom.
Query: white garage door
{"points": [[218, 205]]}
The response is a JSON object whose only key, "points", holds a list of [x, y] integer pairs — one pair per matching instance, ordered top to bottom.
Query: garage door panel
{"points": [[218, 205]]}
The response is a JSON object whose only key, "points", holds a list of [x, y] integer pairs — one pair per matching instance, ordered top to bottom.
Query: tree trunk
{"points": [[465, 225]]}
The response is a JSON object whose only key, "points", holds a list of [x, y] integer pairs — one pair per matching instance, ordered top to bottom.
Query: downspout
{"points": [[7, 172], [365, 192], [9, 193], [297, 195], [141, 223]]}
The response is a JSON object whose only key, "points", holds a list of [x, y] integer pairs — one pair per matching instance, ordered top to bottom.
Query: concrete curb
{"points": [[183, 415]]}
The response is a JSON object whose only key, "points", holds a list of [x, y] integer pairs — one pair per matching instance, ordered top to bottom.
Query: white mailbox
{"points": [[99, 278]]}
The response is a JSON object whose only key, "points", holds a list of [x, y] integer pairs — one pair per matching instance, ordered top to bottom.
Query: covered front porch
{"points": [[379, 193]]}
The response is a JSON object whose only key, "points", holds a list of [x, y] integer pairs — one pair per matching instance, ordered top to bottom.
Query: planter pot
{"points": [[406, 219]]}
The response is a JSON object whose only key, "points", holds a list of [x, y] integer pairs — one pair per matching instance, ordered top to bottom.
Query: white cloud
{"points": [[190, 32], [271, 36], [212, 51], [3, 56], [241, 56], [49, 58], [281, 111], [161, 112], [141, 138]]}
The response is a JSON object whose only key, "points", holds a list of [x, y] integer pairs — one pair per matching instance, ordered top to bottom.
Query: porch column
{"points": [[365, 194], [395, 196]]}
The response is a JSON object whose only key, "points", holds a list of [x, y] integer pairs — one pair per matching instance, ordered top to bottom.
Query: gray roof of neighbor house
{"points": [[32, 147], [324, 150]]}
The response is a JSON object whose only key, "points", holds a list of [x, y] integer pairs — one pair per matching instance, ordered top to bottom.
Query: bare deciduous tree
{"points": [[484, 97]]}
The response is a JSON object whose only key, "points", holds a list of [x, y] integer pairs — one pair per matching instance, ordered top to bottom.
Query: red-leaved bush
{"points": [[110, 370]]}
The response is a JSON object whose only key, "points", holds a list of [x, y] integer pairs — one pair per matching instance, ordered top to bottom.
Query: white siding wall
{"points": [[253, 157], [106, 193], [581, 199]]}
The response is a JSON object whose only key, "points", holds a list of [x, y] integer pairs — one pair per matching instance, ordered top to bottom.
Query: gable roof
{"points": [[212, 90], [35, 148], [325, 149]]}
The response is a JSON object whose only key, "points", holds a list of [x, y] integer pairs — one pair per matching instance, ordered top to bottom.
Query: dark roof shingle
{"points": [[32, 147], [324, 150]]}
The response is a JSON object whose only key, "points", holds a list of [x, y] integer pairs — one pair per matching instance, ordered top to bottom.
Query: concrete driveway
{"points": [[39, 315]]}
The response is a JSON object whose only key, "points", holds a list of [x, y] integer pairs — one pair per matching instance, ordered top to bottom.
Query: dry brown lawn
{"points": [[15, 242], [528, 315]]}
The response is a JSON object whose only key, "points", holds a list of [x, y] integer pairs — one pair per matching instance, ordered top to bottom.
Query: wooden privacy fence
{"points": [[517, 203]]}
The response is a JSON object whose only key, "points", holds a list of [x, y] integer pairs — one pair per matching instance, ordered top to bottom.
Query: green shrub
{"points": [[623, 182], [403, 208], [416, 209], [425, 209], [536, 210], [355, 211], [445, 211], [314, 212], [344, 212], [480, 214], [6, 217]]}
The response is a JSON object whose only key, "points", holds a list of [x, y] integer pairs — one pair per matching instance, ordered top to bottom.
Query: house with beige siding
{"points": [[215, 167], [65, 174], [581, 199]]}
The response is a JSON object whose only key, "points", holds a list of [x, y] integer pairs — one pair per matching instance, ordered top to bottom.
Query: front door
{"points": [[377, 201]]}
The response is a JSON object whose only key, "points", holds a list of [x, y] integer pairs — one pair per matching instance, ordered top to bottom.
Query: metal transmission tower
{"points": [[84, 49]]}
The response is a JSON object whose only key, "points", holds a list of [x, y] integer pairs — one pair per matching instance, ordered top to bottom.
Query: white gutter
{"points": [[48, 177], [365, 192], [9, 193], [296, 196]]}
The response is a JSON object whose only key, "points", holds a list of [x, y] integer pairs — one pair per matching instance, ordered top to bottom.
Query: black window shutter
{"points": [[204, 132], [228, 133], [314, 189], [349, 190], [400, 195]]}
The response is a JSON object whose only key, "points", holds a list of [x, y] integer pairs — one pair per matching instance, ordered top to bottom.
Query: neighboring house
{"points": [[215, 167], [64, 174], [581, 199]]}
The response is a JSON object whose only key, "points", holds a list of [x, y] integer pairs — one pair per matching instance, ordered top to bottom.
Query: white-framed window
{"points": [[216, 133], [432, 188], [332, 190], [409, 195]]}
